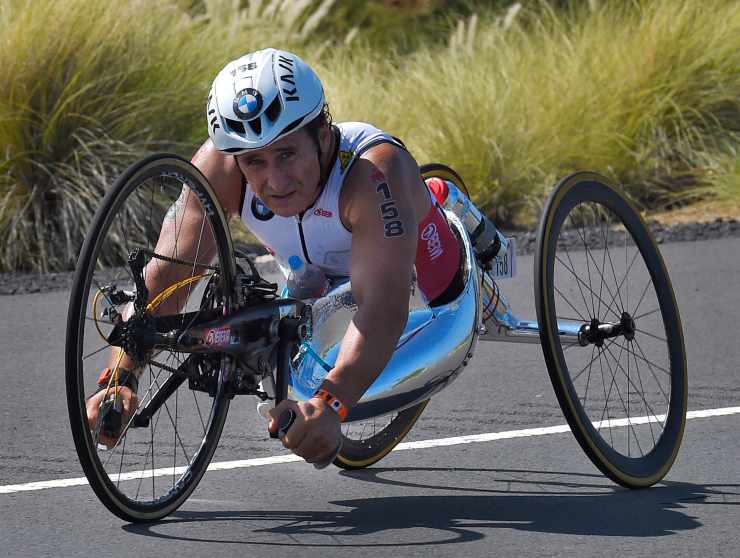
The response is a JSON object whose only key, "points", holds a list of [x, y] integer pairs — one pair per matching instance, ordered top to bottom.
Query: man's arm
{"points": [[380, 209], [384, 226], [183, 235]]}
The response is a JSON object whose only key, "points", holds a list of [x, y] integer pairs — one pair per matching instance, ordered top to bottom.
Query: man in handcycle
{"points": [[346, 197]]}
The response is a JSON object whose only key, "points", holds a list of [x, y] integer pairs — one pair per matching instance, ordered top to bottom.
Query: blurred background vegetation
{"points": [[513, 95]]}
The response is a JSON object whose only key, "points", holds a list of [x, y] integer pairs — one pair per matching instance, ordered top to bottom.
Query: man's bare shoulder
{"points": [[385, 163], [222, 173]]}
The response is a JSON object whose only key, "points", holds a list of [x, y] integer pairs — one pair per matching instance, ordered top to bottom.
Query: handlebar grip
{"points": [[111, 416], [285, 421]]}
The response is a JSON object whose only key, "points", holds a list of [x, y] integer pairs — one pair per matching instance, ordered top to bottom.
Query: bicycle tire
{"points": [[440, 170], [156, 176], [577, 204], [359, 452]]}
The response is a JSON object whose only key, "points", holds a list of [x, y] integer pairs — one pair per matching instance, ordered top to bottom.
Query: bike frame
{"points": [[260, 338]]}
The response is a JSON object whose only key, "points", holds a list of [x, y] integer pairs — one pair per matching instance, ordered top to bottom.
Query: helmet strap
{"points": [[324, 169]]}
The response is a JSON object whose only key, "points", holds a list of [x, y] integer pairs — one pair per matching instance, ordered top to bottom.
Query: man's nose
{"points": [[279, 181]]}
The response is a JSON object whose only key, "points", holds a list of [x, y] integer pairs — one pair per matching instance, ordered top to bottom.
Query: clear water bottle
{"points": [[487, 241], [305, 280]]}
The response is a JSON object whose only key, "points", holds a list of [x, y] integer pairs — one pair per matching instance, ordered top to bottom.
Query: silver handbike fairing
{"points": [[434, 347]]}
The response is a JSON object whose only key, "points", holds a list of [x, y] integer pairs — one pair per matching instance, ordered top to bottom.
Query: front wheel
{"points": [[622, 384], [164, 449]]}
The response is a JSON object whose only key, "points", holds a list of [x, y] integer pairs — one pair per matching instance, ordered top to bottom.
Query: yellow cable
{"points": [[169, 291], [156, 301], [95, 313], [115, 374]]}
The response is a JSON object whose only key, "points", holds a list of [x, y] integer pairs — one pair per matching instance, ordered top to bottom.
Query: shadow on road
{"points": [[526, 500]]}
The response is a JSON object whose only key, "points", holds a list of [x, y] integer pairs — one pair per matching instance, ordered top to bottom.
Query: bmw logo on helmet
{"points": [[247, 103]]}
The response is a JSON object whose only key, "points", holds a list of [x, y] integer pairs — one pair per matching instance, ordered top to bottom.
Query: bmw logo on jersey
{"points": [[247, 103], [260, 211]]}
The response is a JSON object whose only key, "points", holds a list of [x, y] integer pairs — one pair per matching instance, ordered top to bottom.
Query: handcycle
{"points": [[607, 322]]}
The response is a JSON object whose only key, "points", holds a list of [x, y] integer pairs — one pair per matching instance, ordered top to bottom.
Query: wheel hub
{"points": [[596, 331]]}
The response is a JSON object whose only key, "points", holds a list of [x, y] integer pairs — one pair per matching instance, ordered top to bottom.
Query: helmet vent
{"points": [[273, 111], [235, 125], [256, 126], [291, 126]]}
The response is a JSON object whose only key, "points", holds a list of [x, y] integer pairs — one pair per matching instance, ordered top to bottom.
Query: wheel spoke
{"points": [[588, 268], [614, 274], [626, 274], [580, 281], [603, 283], [644, 292], [569, 304], [646, 314], [664, 340], [95, 352], [649, 363], [620, 368], [582, 370], [642, 390], [584, 399], [606, 399], [625, 407]]}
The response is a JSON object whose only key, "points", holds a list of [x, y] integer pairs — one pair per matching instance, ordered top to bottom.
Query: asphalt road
{"points": [[523, 495]]}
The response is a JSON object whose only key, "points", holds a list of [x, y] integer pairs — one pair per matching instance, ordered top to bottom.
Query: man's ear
{"points": [[325, 135]]}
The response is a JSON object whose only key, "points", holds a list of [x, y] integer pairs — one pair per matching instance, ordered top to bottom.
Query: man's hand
{"points": [[130, 403], [315, 434]]}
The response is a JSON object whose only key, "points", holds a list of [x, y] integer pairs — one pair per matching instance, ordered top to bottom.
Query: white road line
{"points": [[290, 458]]}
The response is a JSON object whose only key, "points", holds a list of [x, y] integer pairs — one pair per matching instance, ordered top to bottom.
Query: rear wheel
{"points": [[439, 170], [622, 384], [368, 441], [156, 463]]}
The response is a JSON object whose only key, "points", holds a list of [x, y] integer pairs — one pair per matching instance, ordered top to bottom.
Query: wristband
{"points": [[125, 378], [331, 400]]}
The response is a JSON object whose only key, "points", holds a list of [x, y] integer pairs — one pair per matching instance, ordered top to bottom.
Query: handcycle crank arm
{"points": [[262, 324], [202, 332], [290, 332], [165, 391]]}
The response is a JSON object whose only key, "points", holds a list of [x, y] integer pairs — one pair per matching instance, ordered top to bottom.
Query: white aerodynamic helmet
{"points": [[261, 97]]}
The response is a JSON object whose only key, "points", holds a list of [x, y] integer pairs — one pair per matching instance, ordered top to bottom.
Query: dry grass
{"points": [[647, 92]]}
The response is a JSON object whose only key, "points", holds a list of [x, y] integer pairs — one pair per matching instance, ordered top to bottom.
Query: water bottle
{"points": [[487, 241], [305, 280]]}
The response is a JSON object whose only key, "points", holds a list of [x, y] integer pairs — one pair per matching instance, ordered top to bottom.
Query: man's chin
{"points": [[284, 207], [285, 211]]}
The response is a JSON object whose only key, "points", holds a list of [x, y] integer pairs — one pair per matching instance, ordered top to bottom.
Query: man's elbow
{"points": [[391, 311]]}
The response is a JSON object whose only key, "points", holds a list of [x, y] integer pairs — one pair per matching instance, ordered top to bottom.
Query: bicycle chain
{"points": [[178, 261]]}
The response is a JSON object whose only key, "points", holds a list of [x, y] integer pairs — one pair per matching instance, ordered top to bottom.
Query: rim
{"points": [[363, 431], [368, 441]]}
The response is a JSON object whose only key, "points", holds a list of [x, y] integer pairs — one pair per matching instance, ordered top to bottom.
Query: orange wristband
{"points": [[332, 401]]}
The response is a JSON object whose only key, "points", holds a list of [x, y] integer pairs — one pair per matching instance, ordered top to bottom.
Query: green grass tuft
{"points": [[88, 87], [645, 92]]}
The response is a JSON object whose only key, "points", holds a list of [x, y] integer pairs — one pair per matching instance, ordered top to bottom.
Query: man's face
{"points": [[284, 175]]}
